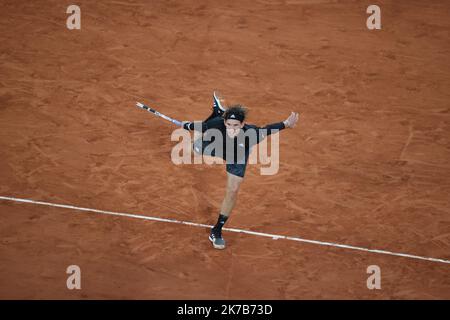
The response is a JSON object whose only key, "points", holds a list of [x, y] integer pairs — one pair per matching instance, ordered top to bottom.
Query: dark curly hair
{"points": [[236, 111]]}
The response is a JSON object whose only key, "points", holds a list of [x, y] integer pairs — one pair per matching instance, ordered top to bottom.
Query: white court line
{"points": [[261, 234]]}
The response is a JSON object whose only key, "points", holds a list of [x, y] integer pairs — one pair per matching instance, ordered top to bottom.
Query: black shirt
{"points": [[232, 150]]}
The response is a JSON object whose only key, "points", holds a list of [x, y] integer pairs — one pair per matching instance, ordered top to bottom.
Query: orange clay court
{"points": [[367, 165]]}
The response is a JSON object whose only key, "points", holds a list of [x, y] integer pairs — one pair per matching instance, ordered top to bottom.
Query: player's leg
{"points": [[218, 108], [235, 176], [233, 184]]}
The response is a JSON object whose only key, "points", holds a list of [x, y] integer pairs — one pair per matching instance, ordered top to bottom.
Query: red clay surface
{"points": [[368, 164]]}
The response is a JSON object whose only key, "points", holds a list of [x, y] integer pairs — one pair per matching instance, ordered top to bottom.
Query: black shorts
{"points": [[237, 169]]}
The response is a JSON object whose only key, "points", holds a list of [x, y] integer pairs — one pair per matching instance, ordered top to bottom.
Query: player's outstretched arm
{"points": [[290, 122], [194, 125], [202, 125]]}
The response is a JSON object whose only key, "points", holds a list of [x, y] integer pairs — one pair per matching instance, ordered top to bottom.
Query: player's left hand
{"points": [[291, 121]]}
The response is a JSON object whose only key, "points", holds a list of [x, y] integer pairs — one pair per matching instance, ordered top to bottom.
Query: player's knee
{"points": [[233, 188], [232, 194]]}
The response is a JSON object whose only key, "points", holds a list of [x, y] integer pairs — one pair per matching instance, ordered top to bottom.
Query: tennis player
{"points": [[235, 149]]}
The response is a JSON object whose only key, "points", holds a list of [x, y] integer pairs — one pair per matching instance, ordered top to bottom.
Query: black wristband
{"points": [[187, 125]]}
